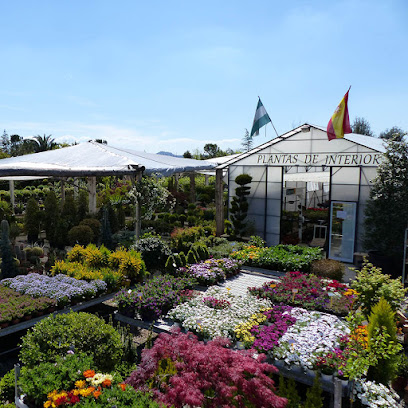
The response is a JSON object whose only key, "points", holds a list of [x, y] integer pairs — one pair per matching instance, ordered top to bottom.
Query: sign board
{"points": [[319, 159]]}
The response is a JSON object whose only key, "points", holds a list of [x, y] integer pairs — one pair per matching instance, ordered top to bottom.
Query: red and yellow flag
{"points": [[339, 123]]}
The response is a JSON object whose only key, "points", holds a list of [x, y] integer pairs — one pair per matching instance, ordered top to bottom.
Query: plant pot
{"points": [[4, 325], [326, 378]]}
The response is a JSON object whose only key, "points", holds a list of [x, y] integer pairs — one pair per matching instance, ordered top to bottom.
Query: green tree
{"points": [[362, 127], [395, 133], [247, 141], [5, 142], [44, 143], [187, 155], [69, 210], [386, 214], [51, 217], [32, 220], [8, 266], [314, 397]]}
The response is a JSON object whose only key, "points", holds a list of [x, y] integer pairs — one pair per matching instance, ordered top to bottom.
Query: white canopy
{"points": [[95, 159]]}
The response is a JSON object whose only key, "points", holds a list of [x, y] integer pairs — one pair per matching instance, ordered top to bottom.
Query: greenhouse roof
{"points": [[95, 159]]}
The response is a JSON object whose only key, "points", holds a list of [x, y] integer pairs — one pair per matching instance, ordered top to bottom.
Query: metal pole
{"points": [[405, 260], [337, 393]]}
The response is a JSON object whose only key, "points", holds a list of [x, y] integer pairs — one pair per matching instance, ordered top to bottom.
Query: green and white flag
{"points": [[261, 119]]}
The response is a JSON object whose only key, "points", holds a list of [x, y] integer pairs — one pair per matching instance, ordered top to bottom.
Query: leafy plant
{"points": [[239, 204], [32, 220], [80, 234], [153, 249], [8, 265], [328, 268], [371, 285], [55, 335], [213, 375], [7, 387], [314, 395]]}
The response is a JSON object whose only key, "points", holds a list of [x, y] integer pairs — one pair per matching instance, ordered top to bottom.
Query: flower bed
{"points": [[280, 257], [212, 271], [62, 288], [308, 291], [156, 297], [14, 306], [212, 322], [312, 334]]}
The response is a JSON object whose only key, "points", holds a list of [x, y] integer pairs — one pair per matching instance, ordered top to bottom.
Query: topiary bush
{"points": [[239, 204], [32, 220], [95, 226], [80, 234], [191, 258], [328, 268], [55, 335], [181, 371], [7, 388]]}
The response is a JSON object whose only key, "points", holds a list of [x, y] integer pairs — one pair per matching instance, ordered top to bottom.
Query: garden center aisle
{"points": [[240, 283]]}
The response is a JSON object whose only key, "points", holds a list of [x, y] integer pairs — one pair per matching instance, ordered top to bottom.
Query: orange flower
{"points": [[89, 373], [107, 383], [123, 386], [97, 393]]}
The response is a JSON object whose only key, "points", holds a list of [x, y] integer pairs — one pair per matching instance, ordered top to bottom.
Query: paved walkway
{"points": [[239, 284]]}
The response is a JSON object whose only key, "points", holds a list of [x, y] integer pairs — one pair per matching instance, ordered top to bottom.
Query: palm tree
{"points": [[44, 143]]}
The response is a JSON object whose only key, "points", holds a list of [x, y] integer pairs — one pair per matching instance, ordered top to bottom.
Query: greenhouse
{"points": [[308, 189]]}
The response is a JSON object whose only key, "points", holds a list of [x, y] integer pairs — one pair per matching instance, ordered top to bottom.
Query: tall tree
{"points": [[362, 127], [395, 133], [247, 141], [5, 142], [44, 143], [211, 150], [187, 155]]}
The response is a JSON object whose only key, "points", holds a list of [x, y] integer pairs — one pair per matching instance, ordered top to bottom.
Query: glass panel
{"points": [[343, 223]]}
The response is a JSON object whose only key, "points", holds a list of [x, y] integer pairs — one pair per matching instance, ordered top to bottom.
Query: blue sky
{"points": [[176, 75]]}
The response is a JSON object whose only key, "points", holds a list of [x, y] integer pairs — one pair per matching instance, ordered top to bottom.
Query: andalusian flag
{"points": [[261, 119], [339, 123]]}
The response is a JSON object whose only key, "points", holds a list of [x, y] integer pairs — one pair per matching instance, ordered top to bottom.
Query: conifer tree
{"points": [[239, 204], [8, 266], [314, 395]]}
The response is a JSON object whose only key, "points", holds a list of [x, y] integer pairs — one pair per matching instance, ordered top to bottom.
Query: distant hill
{"points": [[168, 154]]}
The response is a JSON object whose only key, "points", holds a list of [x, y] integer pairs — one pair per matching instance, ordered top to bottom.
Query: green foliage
{"points": [[82, 204], [239, 205], [69, 210], [385, 217], [32, 220], [94, 224], [106, 229], [80, 234], [256, 241], [222, 248], [153, 249], [202, 251], [191, 258], [183, 259], [8, 265], [171, 265], [328, 268], [372, 284], [55, 335], [382, 342], [38, 381], [7, 388], [287, 389], [314, 397]]}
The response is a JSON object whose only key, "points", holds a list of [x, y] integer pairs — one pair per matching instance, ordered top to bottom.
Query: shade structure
{"points": [[95, 159]]}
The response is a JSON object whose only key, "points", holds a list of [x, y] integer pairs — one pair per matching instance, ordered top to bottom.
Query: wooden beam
{"points": [[92, 194], [12, 198]]}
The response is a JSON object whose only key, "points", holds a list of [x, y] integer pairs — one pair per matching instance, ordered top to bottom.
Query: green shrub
{"points": [[172, 218], [182, 218], [32, 220], [191, 220], [94, 224], [80, 234], [256, 241], [224, 248], [153, 249], [202, 251], [183, 258], [191, 258], [171, 265], [328, 268], [371, 285], [55, 335], [382, 343], [38, 381], [7, 388], [314, 397]]}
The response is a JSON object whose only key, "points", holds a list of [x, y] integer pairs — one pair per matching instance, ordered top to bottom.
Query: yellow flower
{"points": [[80, 384], [86, 392], [52, 394], [47, 404]]}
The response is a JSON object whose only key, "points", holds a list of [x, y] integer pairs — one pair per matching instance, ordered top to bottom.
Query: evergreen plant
{"points": [[239, 204], [51, 217], [32, 220], [191, 258], [8, 266], [314, 397]]}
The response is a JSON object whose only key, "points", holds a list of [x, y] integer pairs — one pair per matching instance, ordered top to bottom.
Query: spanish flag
{"points": [[339, 123]]}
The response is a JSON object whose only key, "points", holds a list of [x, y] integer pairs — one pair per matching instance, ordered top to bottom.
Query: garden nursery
{"points": [[194, 320]]}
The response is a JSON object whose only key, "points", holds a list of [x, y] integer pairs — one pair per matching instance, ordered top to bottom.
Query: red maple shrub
{"points": [[180, 370]]}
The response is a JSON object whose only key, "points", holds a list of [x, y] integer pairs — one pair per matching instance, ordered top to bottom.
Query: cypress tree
{"points": [[8, 266]]}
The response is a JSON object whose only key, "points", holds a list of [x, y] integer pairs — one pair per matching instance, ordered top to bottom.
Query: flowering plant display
{"points": [[280, 257], [212, 271], [62, 288], [308, 291], [155, 297], [215, 303], [14, 305], [195, 315], [243, 333], [311, 335], [180, 371], [371, 394]]}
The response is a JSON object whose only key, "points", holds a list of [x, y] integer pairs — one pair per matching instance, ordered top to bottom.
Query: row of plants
{"points": [[280, 257], [91, 263], [64, 289], [310, 292], [156, 297], [14, 306]]}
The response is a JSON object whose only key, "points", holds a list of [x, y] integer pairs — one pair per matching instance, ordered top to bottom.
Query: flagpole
{"points": [[273, 127]]}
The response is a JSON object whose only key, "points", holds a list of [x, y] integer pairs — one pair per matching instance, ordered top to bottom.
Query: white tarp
{"points": [[315, 176]]}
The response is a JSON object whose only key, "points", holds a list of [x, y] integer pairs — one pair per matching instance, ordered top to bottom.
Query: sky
{"points": [[176, 75]]}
